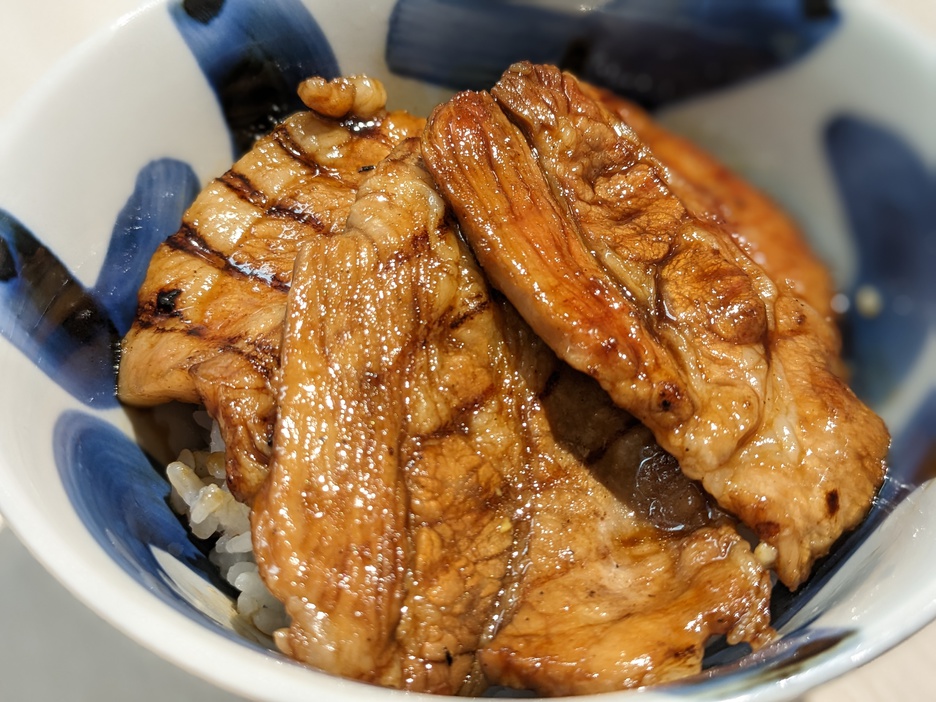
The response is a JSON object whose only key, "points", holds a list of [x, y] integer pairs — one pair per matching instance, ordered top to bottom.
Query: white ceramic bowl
{"points": [[826, 109]]}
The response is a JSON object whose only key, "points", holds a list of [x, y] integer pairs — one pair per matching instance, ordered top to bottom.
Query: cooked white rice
{"points": [[199, 492]]}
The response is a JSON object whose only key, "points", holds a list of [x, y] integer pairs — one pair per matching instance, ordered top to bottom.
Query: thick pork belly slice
{"points": [[711, 192], [574, 219], [211, 308], [437, 482], [385, 523], [628, 569]]}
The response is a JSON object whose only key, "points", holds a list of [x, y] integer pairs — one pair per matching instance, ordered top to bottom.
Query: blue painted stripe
{"points": [[651, 52], [254, 55], [163, 191], [49, 316]]}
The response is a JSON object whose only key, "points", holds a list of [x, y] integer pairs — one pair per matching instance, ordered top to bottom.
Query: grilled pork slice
{"points": [[711, 192], [577, 222], [211, 309], [445, 496], [385, 523], [628, 569]]}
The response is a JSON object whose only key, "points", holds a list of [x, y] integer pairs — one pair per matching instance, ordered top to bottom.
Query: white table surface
{"points": [[53, 649]]}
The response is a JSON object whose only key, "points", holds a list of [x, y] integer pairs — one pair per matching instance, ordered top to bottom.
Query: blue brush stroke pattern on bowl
{"points": [[654, 53], [253, 55], [163, 190], [890, 196], [49, 316], [72, 333], [114, 483]]}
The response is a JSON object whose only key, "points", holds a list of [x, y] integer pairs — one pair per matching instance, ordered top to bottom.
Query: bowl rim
{"points": [[102, 586]]}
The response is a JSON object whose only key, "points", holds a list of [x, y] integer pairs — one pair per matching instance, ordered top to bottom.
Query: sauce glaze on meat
{"points": [[576, 221], [455, 486], [449, 506]]}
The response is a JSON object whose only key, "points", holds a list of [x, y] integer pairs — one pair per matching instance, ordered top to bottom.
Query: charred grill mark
{"points": [[285, 141], [240, 185], [286, 208], [292, 210], [188, 241], [166, 301], [477, 306], [155, 312], [147, 319], [263, 357], [475, 403], [457, 421]]}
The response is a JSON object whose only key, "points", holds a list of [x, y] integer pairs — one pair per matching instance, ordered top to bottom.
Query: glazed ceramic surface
{"points": [[826, 108]]}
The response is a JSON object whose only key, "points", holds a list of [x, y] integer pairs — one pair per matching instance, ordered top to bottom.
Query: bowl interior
{"points": [[803, 102]]}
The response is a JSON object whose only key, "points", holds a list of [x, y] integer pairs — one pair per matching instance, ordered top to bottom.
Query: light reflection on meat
{"points": [[211, 309], [734, 371], [440, 500], [506, 528]]}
